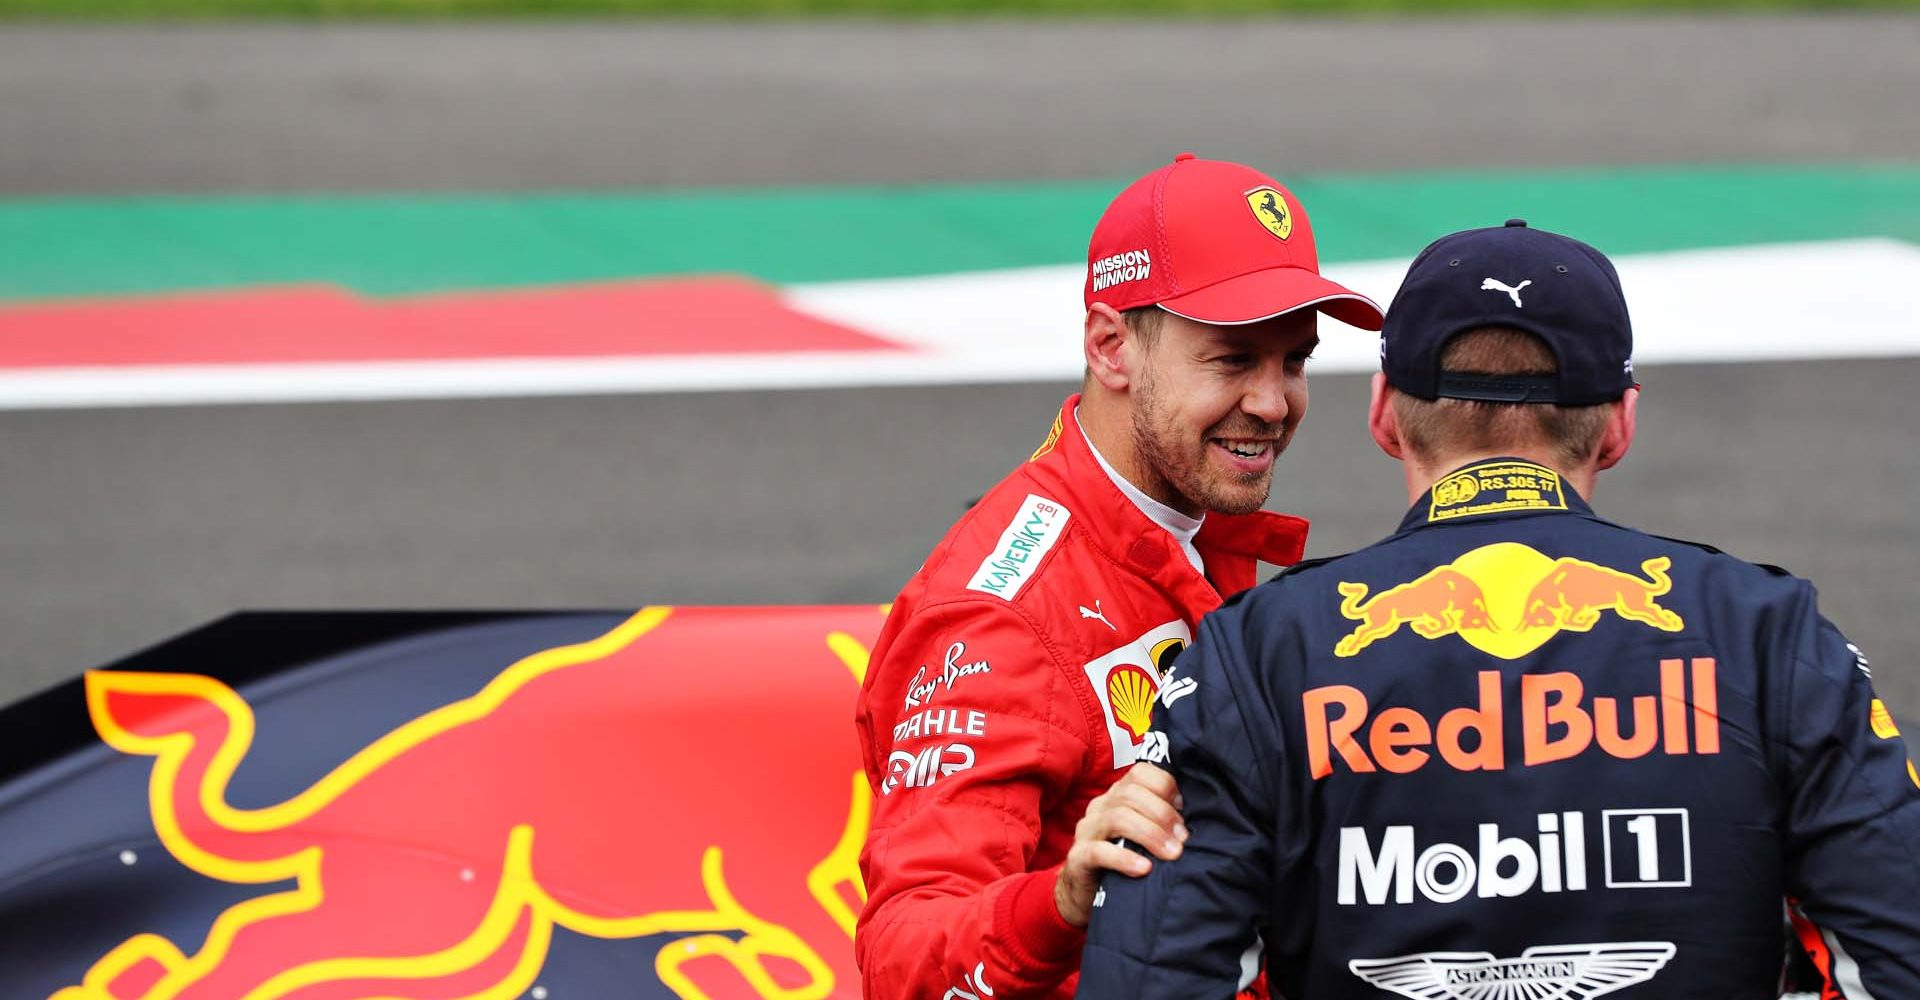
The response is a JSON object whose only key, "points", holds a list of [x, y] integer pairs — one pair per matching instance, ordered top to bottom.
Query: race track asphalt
{"points": [[537, 105], [121, 527]]}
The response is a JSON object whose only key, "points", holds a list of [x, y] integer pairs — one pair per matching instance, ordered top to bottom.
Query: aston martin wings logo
{"points": [[1546, 972]]}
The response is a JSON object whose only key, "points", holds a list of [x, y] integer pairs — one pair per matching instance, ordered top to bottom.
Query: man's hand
{"points": [[1143, 807]]}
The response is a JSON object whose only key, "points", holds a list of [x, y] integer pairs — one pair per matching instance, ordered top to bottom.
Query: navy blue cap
{"points": [[1558, 289]]}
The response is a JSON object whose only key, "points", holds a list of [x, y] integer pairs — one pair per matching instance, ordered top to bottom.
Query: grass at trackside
{"points": [[429, 9]]}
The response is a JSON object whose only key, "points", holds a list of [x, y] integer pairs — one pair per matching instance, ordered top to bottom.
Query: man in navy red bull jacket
{"points": [[1514, 750]]}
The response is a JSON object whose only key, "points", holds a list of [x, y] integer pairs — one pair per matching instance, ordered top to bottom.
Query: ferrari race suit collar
{"points": [[1494, 487], [1180, 526], [1231, 545]]}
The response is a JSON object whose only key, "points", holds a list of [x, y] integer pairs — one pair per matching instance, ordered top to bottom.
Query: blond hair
{"points": [[1437, 428]]}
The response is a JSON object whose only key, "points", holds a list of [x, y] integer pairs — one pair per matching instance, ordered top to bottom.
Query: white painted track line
{"points": [[1850, 298]]}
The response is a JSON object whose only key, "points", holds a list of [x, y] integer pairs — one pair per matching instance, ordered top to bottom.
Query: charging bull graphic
{"points": [[1507, 599], [1440, 603], [690, 773]]}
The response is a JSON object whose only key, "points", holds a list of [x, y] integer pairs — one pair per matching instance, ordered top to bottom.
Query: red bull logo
{"points": [[1506, 600], [1558, 721], [618, 788]]}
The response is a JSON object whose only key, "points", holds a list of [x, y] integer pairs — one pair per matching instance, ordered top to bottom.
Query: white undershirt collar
{"points": [[1180, 526]]}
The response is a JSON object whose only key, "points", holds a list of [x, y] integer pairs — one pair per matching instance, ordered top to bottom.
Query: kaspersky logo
{"points": [[1506, 600]]}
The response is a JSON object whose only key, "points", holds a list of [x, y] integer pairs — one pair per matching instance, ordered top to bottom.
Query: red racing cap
{"points": [[1215, 242]]}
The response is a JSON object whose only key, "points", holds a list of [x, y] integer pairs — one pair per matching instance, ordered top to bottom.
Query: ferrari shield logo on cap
{"points": [[1270, 207]]}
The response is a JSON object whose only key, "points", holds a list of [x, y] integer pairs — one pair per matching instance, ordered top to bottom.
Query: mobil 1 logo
{"points": [[1647, 848], [1397, 865]]}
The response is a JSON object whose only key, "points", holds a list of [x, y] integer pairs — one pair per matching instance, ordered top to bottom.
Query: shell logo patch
{"points": [[1270, 208], [1506, 600], [1126, 681], [1131, 692]]}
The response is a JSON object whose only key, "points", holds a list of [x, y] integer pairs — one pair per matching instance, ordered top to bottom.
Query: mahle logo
{"points": [[1270, 208], [1506, 600]]}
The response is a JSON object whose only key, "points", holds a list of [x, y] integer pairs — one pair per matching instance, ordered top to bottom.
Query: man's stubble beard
{"points": [[1180, 465]]}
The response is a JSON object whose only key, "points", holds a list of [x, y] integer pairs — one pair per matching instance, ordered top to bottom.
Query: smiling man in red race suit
{"points": [[1011, 690]]}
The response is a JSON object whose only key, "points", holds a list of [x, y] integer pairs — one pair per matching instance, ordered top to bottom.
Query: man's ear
{"points": [[1110, 347], [1382, 421], [1618, 436]]}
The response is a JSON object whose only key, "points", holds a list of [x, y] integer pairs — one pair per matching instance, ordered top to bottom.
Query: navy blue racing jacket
{"points": [[1517, 751]]}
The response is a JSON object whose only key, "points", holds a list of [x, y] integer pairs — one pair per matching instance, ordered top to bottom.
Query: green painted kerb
{"points": [[389, 245]]}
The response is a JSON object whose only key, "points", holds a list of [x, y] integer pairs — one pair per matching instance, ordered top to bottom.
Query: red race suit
{"points": [[1013, 683]]}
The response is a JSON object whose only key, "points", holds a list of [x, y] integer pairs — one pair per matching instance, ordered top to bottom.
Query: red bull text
{"points": [[1557, 721]]}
